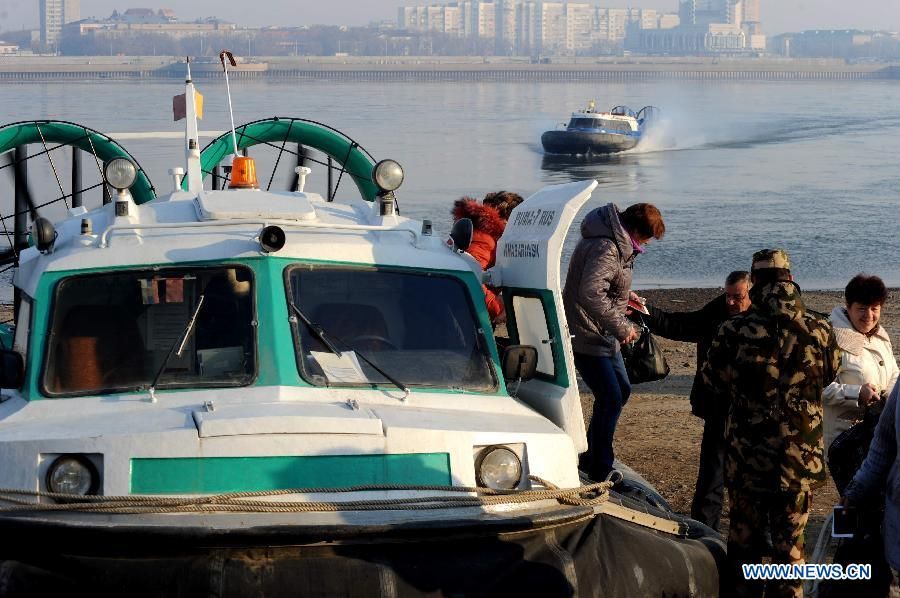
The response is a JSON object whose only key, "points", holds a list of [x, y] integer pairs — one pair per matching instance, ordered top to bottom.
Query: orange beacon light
{"points": [[243, 173]]}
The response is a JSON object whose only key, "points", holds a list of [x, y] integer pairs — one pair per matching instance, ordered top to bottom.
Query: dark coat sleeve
{"points": [[595, 294], [678, 326], [689, 326], [717, 371]]}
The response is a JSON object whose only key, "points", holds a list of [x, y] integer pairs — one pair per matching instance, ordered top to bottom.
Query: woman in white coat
{"points": [[868, 370], [867, 374]]}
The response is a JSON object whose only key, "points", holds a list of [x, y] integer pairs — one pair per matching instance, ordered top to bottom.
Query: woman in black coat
{"points": [[595, 298]]}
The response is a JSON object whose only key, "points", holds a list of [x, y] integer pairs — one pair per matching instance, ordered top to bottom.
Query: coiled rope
{"points": [[15, 500]]}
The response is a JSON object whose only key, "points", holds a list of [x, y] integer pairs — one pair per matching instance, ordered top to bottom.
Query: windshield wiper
{"points": [[316, 329], [321, 335], [177, 348], [390, 378]]}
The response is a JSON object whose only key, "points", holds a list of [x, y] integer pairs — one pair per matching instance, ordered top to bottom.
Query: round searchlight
{"points": [[120, 173], [388, 175], [43, 233], [498, 468], [73, 474]]}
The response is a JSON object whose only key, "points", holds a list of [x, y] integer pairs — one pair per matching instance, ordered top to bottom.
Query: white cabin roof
{"points": [[604, 116], [253, 203], [221, 225]]}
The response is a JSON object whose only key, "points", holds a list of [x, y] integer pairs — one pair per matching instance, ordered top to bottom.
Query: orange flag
{"points": [[179, 105]]}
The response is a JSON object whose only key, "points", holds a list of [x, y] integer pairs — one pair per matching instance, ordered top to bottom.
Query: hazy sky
{"points": [[777, 15]]}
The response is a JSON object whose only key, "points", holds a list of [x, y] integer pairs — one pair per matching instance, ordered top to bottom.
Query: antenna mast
{"points": [[222, 56], [192, 149], [243, 168]]}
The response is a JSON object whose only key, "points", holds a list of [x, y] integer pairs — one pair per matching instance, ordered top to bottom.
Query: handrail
{"points": [[104, 238]]}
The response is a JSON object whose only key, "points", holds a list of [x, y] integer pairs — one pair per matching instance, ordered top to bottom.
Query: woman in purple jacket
{"points": [[595, 297]]}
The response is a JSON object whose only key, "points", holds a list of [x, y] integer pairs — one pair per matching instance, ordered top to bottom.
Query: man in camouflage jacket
{"points": [[771, 364]]}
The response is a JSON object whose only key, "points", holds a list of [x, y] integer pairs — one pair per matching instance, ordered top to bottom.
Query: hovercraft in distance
{"points": [[591, 132]]}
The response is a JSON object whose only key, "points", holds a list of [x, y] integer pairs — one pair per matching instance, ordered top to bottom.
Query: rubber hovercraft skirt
{"points": [[581, 142], [560, 552]]}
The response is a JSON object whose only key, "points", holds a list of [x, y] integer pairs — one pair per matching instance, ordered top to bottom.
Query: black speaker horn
{"points": [[272, 238]]}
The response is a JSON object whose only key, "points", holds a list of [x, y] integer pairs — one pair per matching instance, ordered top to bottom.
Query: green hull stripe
{"points": [[210, 475]]}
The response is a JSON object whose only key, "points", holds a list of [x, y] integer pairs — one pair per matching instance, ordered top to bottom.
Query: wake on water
{"points": [[688, 132]]}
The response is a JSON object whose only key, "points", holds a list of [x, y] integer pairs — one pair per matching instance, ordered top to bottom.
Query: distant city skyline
{"points": [[778, 16]]}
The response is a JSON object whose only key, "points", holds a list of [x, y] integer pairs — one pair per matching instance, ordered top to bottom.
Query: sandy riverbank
{"points": [[658, 436]]}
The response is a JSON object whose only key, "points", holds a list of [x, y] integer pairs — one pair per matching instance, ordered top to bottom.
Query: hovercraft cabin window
{"points": [[585, 123], [596, 123], [616, 126], [419, 328], [114, 332]]}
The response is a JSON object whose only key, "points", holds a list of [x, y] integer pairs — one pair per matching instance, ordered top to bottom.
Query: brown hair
{"points": [[503, 201], [645, 220], [865, 290]]}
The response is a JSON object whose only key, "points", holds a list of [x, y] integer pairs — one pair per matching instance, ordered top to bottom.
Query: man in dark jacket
{"points": [[595, 296], [700, 327], [770, 365]]}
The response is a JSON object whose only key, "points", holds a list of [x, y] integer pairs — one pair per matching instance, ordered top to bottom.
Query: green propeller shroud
{"points": [[276, 131], [56, 133]]}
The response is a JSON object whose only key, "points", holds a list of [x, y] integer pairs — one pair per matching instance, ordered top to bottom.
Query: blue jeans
{"points": [[608, 381]]}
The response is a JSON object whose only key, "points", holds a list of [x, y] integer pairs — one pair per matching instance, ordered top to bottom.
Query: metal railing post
{"points": [[76, 177], [20, 207]]}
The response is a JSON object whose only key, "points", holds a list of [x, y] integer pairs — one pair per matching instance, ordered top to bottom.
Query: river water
{"points": [[808, 166]]}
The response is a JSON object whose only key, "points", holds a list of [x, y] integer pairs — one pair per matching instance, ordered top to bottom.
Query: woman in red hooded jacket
{"points": [[488, 221]]}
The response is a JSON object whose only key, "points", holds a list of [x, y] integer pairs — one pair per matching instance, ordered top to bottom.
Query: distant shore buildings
{"points": [[54, 14], [136, 21], [709, 27], [530, 28], [534, 28], [527, 29], [147, 31], [849, 44]]}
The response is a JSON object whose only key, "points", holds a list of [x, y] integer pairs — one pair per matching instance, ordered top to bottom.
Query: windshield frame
{"points": [[159, 270], [489, 352]]}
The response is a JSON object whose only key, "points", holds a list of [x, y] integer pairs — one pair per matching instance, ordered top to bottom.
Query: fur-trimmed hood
{"points": [[485, 219], [604, 222], [848, 338]]}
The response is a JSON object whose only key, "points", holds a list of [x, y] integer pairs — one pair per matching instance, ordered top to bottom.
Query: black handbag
{"points": [[644, 359], [848, 451]]}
